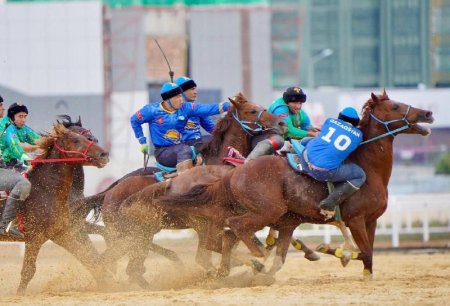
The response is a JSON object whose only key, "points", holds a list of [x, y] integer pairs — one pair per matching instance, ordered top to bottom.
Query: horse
{"points": [[235, 129], [267, 191], [45, 212]]}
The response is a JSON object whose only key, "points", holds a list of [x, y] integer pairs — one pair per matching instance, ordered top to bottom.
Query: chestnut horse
{"points": [[243, 120], [267, 191], [45, 212]]}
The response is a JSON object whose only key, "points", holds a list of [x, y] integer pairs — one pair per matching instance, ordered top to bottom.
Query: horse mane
{"points": [[369, 106], [47, 141], [213, 147]]}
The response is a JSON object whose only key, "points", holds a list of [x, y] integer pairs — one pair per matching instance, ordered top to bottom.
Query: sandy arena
{"points": [[415, 278]]}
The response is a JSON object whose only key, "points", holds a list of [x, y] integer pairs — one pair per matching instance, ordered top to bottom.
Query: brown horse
{"points": [[229, 131], [267, 191], [45, 212]]}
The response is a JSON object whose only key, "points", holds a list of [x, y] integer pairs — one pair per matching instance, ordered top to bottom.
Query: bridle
{"points": [[244, 123], [386, 125]]}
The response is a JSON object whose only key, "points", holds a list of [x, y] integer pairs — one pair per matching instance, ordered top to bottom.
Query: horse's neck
{"points": [[235, 137], [376, 158], [53, 177]]}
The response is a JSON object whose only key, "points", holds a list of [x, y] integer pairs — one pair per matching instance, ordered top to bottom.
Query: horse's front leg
{"points": [[364, 236], [284, 237], [32, 248], [85, 253]]}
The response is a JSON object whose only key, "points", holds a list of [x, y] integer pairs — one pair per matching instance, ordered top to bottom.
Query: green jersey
{"points": [[297, 124], [10, 142]]}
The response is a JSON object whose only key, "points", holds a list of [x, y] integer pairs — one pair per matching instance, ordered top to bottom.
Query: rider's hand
{"points": [[312, 133], [144, 148], [24, 158]]}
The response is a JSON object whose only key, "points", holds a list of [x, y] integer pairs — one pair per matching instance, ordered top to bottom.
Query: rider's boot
{"points": [[266, 147], [184, 165], [339, 194], [9, 214]]}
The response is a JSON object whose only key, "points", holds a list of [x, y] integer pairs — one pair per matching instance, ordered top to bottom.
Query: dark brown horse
{"points": [[229, 131], [267, 191], [45, 212]]}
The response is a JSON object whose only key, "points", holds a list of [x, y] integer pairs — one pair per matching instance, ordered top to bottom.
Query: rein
{"points": [[386, 123], [245, 127], [66, 159]]}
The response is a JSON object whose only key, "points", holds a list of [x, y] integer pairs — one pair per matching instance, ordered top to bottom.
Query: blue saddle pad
{"points": [[294, 162], [165, 168]]}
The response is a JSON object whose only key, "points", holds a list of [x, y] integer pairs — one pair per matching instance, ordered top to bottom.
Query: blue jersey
{"points": [[166, 127], [192, 127], [336, 140]]}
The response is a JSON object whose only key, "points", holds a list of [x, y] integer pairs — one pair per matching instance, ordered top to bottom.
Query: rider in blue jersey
{"points": [[167, 120], [192, 134], [324, 155]]}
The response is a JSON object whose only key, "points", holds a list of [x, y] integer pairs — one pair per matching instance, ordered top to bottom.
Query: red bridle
{"points": [[84, 155]]}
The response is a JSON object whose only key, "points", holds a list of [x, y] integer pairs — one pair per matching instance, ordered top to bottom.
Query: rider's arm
{"points": [[204, 110], [282, 111], [140, 117], [207, 123], [11, 141], [28, 147]]}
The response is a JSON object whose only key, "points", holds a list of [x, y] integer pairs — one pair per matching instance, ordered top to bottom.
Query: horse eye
{"points": [[395, 107], [254, 112]]}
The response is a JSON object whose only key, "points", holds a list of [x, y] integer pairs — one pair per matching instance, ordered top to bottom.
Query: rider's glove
{"points": [[144, 148]]}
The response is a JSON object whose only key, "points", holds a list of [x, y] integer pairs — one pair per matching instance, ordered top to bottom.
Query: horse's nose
{"points": [[428, 114], [283, 126], [104, 155]]}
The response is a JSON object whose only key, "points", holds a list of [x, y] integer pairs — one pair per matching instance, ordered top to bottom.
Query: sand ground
{"points": [[410, 278]]}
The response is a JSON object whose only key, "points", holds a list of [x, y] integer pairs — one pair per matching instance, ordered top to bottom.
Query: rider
{"points": [[289, 107], [167, 120], [298, 123], [191, 134], [13, 142], [324, 155]]}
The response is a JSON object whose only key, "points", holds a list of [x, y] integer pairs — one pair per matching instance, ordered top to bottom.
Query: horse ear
{"points": [[384, 94], [374, 97], [233, 101], [79, 121]]}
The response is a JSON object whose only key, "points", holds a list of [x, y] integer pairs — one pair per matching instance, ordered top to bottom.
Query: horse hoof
{"points": [[323, 248], [312, 256], [346, 257], [257, 267], [20, 292]]}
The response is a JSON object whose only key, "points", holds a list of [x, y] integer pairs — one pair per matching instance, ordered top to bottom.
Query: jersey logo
{"points": [[139, 115], [160, 120], [190, 125], [173, 135]]}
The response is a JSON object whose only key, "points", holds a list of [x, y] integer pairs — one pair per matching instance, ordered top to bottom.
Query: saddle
{"points": [[170, 172]]}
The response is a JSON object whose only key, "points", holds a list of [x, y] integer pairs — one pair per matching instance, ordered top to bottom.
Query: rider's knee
{"points": [[277, 141], [184, 153], [360, 177], [22, 189]]}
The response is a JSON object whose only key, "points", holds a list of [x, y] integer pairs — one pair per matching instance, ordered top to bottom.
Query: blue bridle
{"points": [[386, 125], [245, 127]]}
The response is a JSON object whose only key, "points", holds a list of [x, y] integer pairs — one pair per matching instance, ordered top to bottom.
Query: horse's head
{"points": [[396, 117], [254, 118], [76, 127], [63, 143]]}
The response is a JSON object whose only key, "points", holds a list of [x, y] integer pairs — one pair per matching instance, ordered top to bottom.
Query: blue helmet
{"points": [[185, 83], [170, 90], [350, 115]]}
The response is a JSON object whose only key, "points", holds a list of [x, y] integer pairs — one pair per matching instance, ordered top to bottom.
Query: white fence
{"points": [[401, 217]]}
